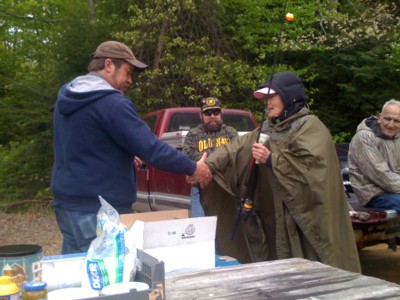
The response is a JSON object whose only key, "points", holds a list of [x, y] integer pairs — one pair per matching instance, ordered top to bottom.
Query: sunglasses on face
{"points": [[210, 112]]}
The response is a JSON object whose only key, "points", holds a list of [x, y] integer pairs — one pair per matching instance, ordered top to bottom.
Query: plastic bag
{"points": [[112, 254]]}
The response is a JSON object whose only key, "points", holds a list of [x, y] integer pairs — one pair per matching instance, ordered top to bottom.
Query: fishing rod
{"points": [[246, 205]]}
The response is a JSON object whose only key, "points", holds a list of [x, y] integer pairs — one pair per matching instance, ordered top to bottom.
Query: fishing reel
{"points": [[247, 209]]}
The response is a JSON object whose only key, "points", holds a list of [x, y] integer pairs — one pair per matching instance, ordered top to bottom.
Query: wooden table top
{"points": [[294, 278]]}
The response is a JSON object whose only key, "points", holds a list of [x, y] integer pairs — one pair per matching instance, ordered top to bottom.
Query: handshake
{"points": [[202, 175]]}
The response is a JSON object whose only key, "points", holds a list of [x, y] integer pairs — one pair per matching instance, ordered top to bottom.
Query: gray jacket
{"points": [[374, 162]]}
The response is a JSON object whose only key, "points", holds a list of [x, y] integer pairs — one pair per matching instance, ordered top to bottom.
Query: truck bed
{"points": [[382, 226]]}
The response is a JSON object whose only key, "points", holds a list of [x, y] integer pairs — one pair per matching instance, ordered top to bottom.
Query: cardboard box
{"points": [[129, 219], [184, 244], [64, 271]]}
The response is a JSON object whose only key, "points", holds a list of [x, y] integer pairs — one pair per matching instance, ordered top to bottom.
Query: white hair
{"points": [[391, 102]]}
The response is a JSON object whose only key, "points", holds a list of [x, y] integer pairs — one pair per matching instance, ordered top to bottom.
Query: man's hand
{"points": [[138, 163], [202, 175]]}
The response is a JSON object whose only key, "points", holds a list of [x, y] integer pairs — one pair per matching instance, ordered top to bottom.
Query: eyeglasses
{"points": [[210, 112]]}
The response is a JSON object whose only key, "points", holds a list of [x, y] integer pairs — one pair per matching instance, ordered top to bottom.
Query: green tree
{"points": [[346, 52], [190, 55], [36, 59], [354, 73]]}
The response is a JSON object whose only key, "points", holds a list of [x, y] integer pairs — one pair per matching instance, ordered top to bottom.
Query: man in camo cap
{"points": [[205, 138]]}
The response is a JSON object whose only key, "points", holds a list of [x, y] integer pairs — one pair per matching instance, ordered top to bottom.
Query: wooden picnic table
{"points": [[294, 278]]}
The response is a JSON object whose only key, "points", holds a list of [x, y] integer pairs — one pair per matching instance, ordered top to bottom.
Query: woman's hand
{"points": [[260, 153]]}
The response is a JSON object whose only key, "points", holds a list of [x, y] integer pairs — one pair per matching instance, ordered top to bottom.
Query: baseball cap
{"points": [[114, 49], [264, 92], [209, 103]]}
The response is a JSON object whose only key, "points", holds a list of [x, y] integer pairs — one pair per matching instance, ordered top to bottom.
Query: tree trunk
{"points": [[161, 43]]}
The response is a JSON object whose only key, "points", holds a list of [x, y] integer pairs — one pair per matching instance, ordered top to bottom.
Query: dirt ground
{"points": [[40, 228], [381, 262]]}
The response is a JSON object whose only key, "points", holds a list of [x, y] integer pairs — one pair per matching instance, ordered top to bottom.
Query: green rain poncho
{"points": [[299, 202]]}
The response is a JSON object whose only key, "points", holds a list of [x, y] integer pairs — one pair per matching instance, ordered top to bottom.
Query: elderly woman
{"points": [[299, 205]]}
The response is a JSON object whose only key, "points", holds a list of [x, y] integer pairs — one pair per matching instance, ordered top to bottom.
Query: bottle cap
{"points": [[35, 286]]}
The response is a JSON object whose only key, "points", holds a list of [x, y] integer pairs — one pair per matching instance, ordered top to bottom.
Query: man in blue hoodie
{"points": [[97, 136]]}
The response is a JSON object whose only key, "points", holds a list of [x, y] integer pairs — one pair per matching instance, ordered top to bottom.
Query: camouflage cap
{"points": [[209, 103]]}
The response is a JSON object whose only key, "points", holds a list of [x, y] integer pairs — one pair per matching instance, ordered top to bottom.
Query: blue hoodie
{"points": [[97, 134]]}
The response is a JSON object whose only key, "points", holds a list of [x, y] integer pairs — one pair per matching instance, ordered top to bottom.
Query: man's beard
{"points": [[212, 126]]}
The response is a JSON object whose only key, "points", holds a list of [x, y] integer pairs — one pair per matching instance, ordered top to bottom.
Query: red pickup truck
{"points": [[159, 190]]}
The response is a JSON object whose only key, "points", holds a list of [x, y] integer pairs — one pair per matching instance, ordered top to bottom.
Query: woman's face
{"points": [[274, 105]]}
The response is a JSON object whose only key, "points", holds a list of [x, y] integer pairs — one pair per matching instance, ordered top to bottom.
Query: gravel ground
{"points": [[39, 227]]}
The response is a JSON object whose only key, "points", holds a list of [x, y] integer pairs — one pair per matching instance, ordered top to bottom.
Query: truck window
{"points": [[187, 120], [151, 121], [183, 121], [240, 123]]}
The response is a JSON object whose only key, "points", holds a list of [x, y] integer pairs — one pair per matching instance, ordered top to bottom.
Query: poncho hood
{"points": [[291, 90]]}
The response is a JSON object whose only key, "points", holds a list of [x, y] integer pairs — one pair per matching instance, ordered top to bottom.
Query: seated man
{"points": [[374, 159]]}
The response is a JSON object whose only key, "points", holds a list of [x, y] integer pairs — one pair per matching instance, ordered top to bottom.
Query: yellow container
{"points": [[8, 289]]}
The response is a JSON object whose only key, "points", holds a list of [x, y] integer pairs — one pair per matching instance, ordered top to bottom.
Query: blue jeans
{"points": [[386, 201], [195, 203], [77, 228]]}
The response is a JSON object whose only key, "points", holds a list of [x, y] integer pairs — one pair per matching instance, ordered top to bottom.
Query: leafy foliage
{"points": [[346, 52]]}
